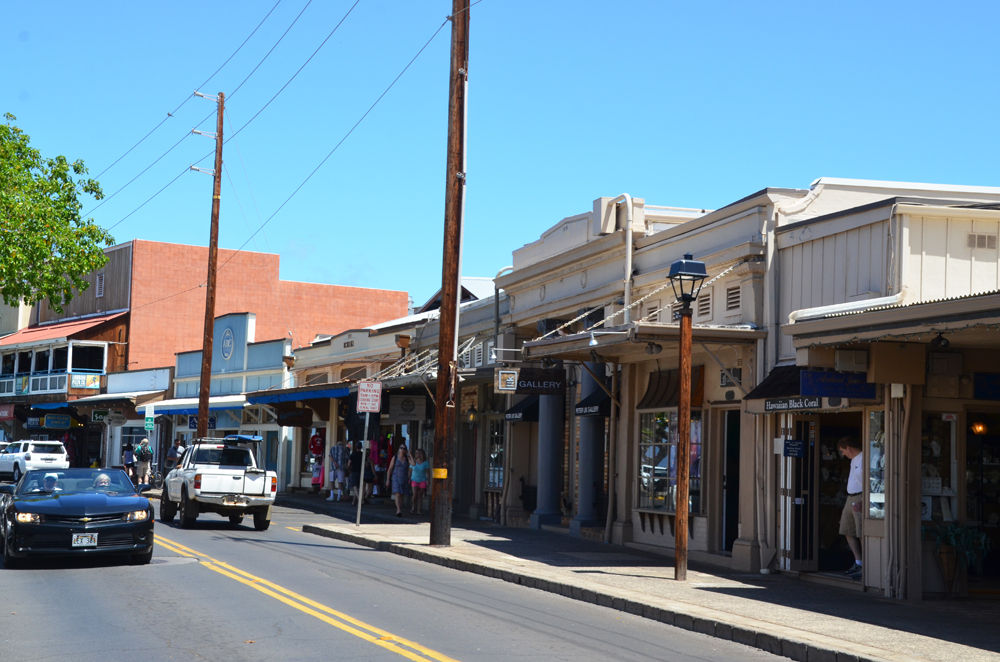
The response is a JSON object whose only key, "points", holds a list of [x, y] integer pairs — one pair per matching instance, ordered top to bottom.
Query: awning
{"points": [[60, 331], [781, 382], [664, 387], [298, 393], [108, 398], [596, 404], [49, 405], [181, 406], [524, 411]]}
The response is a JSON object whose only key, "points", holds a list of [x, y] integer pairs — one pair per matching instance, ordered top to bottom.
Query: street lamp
{"points": [[686, 277]]}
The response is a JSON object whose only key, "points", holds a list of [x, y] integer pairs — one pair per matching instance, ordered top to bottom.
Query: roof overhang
{"points": [[918, 321], [61, 331], [630, 343], [298, 394], [129, 397], [190, 405]]}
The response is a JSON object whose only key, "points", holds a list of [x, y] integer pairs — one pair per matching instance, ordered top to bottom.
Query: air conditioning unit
{"points": [[851, 360]]}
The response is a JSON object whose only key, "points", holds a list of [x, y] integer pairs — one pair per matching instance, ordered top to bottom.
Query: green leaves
{"points": [[46, 249]]}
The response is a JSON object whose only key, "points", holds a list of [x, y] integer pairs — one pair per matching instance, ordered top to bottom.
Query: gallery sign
{"points": [[541, 381], [6, 412]]}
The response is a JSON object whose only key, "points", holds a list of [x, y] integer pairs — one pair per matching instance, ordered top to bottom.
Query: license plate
{"points": [[234, 501], [84, 540]]}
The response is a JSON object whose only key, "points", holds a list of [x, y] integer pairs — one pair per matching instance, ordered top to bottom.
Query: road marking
{"points": [[370, 633]]}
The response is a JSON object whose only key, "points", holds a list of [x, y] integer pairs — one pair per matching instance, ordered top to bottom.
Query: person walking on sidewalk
{"points": [[143, 460], [399, 477], [418, 480], [850, 517]]}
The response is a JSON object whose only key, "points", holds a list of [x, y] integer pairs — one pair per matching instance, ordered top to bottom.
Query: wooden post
{"points": [[213, 257], [447, 380]]}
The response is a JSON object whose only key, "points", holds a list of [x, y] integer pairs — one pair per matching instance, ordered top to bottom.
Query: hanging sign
{"points": [[506, 379], [541, 381]]}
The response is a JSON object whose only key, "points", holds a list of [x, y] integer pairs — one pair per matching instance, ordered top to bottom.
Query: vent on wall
{"points": [[982, 241], [99, 286], [733, 298], [705, 304]]}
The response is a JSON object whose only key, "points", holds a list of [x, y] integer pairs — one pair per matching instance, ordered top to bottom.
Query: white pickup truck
{"points": [[219, 476]]}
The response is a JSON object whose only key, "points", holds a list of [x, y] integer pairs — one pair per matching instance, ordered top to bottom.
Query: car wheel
{"points": [[16, 473], [167, 508], [187, 518], [236, 520], [260, 520], [143, 558], [9, 562]]}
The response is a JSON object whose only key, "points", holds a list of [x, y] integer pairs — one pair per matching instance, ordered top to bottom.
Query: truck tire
{"points": [[16, 473], [168, 509], [188, 514], [260, 520]]}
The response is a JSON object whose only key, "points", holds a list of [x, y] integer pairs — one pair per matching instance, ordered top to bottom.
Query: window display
{"points": [[658, 461], [876, 465], [937, 467]]}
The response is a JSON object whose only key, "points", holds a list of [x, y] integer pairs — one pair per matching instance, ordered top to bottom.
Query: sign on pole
{"points": [[370, 397], [369, 401], [150, 418]]}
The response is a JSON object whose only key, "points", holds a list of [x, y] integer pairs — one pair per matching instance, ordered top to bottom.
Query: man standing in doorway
{"points": [[850, 517]]}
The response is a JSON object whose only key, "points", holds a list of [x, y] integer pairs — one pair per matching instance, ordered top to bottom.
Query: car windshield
{"points": [[48, 448], [76, 481]]}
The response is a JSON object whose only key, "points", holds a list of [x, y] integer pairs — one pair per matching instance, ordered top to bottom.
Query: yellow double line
{"points": [[408, 649]]}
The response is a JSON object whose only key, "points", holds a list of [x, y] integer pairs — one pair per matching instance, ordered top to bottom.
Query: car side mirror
{"points": [[6, 489]]}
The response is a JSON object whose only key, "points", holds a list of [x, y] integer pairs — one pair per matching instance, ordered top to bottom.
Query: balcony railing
{"points": [[38, 383]]}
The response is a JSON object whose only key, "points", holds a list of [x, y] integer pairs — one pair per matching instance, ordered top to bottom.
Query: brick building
{"points": [[147, 303]]}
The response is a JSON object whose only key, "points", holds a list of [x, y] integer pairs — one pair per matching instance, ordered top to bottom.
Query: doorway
{"points": [[730, 478], [816, 489], [982, 491]]}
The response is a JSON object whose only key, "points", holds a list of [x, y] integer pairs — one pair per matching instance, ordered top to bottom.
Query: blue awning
{"points": [[297, 394], [49, 405]]}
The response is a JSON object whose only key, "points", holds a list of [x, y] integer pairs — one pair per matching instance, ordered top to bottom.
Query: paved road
{"points": [[221, 593]]}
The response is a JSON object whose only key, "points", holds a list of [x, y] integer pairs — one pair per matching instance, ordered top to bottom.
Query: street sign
{"points": [[370, 397], [150, 418]]}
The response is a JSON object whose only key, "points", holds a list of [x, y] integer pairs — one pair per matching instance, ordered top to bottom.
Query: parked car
{"points": [[23, 456], [75, 512]]}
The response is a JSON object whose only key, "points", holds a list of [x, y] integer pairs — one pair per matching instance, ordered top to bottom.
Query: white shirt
{"points": [[855, 479]]}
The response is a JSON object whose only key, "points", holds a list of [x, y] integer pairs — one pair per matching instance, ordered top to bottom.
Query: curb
{"points": [[747, 634]]}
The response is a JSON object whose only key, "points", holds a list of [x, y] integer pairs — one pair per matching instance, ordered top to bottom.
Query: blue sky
{"points": [[692, 104]]}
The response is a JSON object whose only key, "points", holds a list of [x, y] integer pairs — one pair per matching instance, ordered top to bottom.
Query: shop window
{"points": [[658, 461], [876, 465], [494, 472], [938, 498]]}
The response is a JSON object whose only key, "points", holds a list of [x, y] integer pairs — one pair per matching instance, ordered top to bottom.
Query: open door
{"points": [[798, 500]]}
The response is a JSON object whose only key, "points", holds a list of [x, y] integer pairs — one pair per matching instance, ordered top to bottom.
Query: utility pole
{"points": [[454, 204], [213, 257]]}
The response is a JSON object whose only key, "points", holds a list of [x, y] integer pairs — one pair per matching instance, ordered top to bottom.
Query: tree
{"points": [[46, 249]]}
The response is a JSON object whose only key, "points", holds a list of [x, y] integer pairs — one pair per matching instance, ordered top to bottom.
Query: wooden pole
{"points": [[213, 258], [447, 380], [683, 448]]}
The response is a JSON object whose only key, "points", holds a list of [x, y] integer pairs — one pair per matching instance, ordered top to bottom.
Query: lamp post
{"points": [[686, 277]]}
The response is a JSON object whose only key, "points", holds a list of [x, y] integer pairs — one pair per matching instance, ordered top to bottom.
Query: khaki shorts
{"points": [[850, 516]]}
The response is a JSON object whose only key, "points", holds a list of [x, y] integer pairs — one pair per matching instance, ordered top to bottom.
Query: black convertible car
{"points": [[68, 512]]}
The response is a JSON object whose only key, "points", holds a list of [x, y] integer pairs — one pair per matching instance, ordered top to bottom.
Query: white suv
{"points": [[21, 456]]}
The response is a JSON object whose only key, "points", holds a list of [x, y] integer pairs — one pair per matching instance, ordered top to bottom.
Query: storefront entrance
{"points": [[982, 489], [814, 490]]}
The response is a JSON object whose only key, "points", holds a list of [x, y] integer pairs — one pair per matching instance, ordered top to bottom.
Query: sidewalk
{"points": [[777, 613]]}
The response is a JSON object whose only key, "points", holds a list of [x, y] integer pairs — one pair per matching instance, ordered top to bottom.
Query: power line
{"points": [[187, 98], [247, 123], [341, 141]]}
